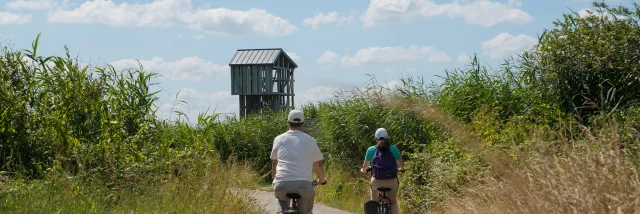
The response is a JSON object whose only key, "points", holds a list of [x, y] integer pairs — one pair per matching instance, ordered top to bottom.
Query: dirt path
{"points": [[269, 202]]}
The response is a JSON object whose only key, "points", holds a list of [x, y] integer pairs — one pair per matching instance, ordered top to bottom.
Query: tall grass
{"points": [[588, 64], [464, 91], [57, 115], [346, 126], [508, 133], [79, 138], [482, 141], [588, 173], [593, 176], [207, 189], [345, 189]]}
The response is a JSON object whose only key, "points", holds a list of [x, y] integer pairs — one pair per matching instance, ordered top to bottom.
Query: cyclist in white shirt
{"points": [[294, 155]]}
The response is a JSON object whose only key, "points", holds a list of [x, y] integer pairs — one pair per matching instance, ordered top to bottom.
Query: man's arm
{"points": [[274, 158], [274, 164], [317, 164], [320, 172]]}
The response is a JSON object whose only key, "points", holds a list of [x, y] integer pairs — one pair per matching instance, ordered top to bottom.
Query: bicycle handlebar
{"points": [[315, 182]]}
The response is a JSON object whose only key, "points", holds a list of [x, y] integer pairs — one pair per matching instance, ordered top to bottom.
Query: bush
{"points": [[588, 65], [464, 91], [56, 113], [59, 115], [347, 126], [345, 130], [250, 139], [437, 172]]}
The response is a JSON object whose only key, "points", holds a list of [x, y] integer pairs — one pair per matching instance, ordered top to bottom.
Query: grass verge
{"points": [[207, 189]]}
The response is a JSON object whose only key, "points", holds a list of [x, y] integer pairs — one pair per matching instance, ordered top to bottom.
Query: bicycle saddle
{"points": [[384, 189], [293, 195]]}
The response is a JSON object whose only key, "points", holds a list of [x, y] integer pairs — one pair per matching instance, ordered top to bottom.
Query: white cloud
{"points": [[479, 12], [589, 12], [176, 13], [14, 18], [328, 18], [179, 35], [198, 37], [505, 44], [395, 54], [294, 56], [439, 57], [328, 58], [464, 58], [188, 68], [398, 69], [315, 94], [221, 95], [217, 96], [199, 102], [224, 102]]}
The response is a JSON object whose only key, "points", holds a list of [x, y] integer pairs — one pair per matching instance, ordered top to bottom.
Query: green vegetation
{"points": [[587, 65], [554, 130], [75, 138], [206, 190]]}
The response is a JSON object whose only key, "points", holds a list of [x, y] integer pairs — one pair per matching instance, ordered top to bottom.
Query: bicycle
{"points": [[383, 202], [293, 207]]}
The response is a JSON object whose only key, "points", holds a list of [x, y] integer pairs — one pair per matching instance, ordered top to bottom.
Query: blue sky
{"points": [[335, 43]]}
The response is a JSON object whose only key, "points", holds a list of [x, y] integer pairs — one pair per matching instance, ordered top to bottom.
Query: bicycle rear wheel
{"points": [[385, 208], [292, 211]]}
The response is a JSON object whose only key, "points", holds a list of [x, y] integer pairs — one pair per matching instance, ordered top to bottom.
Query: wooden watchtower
{"points": [[263, 78]]}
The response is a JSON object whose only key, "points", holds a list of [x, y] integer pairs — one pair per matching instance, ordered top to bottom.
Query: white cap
{"points": [[296, 114], [380, 133]]}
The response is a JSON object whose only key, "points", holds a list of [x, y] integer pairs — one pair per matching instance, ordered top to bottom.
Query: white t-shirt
{"points": [[295, 151]]}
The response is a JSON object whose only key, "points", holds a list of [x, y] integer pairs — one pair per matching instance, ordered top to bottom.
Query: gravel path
{"points": [[269, 202]]}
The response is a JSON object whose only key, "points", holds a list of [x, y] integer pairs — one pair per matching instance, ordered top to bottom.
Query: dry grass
{"points": [[591, 175], [585, 180], [208, 189], [206, 192]]}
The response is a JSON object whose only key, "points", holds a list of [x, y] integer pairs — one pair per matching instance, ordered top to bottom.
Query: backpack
{"points": [[383, 165]]}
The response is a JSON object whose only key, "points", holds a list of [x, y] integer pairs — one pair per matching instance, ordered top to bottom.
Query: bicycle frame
{"points": [[384, 201], [293, 206]]}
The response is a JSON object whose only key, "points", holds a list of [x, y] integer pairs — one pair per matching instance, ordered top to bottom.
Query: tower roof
{"points": [[259, 57]]}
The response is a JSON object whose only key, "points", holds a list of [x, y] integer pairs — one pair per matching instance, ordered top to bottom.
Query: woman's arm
{"points": [[368, 156], [398, 157], [365, 165], [400, 165]]}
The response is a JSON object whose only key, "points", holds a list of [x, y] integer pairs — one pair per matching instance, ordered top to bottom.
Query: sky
{"points": [[336, 44]]}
